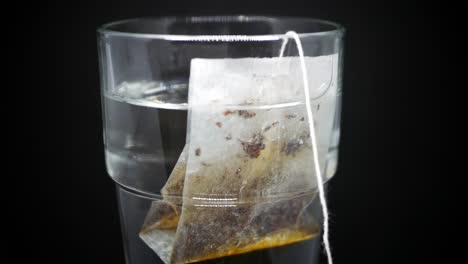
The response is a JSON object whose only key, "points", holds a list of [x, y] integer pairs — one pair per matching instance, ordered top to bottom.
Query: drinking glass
{"points": [[145, 69]]}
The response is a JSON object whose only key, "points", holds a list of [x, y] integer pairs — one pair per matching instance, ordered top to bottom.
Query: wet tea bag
{"points": [[249, 179], [159, 227]]}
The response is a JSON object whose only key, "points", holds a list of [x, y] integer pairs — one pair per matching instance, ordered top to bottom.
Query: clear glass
{"points": [[145, 68]]}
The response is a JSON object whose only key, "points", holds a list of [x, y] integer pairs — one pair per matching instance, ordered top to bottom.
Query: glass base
{"points": [[134, 207]]}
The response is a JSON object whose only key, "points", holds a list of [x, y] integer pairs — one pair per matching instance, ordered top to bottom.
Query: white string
{"points": [[283, 46], [310, 118]]}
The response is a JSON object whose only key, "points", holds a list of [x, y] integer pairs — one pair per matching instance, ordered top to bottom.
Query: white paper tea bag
{"points": [[249, 177]]}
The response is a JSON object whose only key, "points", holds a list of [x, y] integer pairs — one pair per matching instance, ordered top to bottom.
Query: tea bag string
{"points": [[313, 138]]}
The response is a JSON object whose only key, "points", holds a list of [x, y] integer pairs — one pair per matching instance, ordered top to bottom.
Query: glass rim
{"points": [[105, 30]]}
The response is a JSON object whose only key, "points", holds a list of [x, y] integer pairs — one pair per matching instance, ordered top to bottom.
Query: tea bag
{"points": [[249, 179], [159, 227]]}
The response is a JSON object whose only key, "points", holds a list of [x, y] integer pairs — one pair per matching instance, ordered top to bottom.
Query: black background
{"points": [[386, 203]]}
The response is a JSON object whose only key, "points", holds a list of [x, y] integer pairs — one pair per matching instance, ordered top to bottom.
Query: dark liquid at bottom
{"points": [[133, 210], [298, 253]]}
